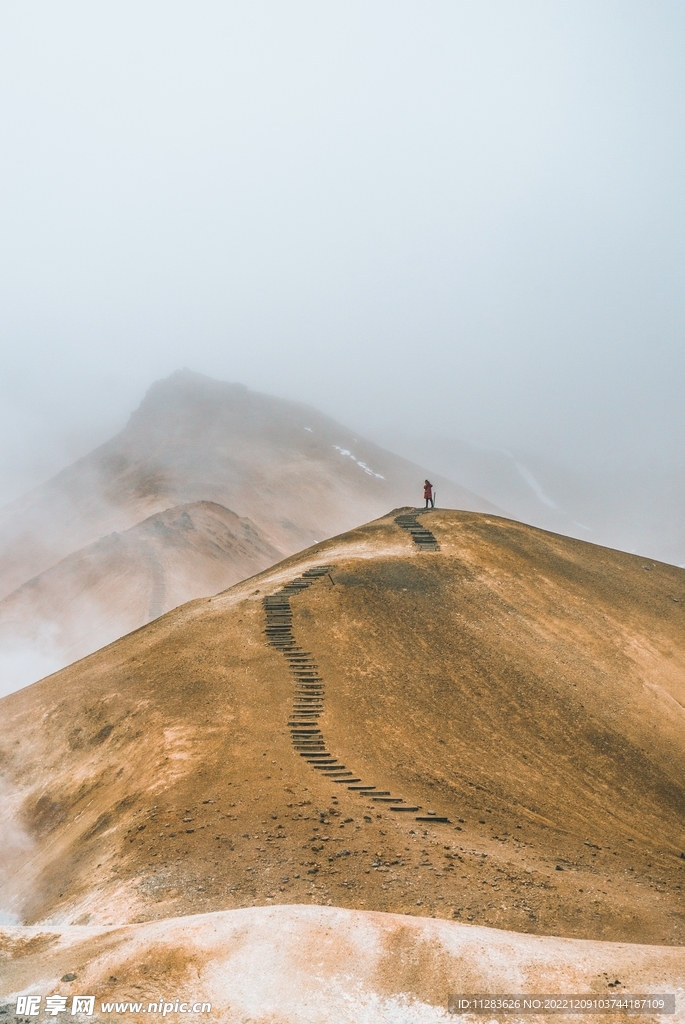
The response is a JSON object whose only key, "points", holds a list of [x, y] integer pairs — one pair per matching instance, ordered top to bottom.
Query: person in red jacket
{"points": [[428, 493]]}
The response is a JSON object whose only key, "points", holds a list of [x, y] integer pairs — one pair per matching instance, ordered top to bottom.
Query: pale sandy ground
{"points": [[301, 965]]}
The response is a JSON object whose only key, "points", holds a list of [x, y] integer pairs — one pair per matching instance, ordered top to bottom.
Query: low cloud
{"points": [[22, 665], [17, 849]]}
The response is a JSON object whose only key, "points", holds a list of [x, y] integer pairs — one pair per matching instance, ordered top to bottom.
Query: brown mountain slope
{"points": [[298, 475], [126, 579], [528, 687]]}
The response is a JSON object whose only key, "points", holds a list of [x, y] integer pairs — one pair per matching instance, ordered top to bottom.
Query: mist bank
{"points": [[471, 216], [208, 483], [631, 505]]}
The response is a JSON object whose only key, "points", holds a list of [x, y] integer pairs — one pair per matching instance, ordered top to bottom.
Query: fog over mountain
{"points": [[466, 217], [264, 267], [297, 474], [208, 483], [631, 506], [118, 583]]}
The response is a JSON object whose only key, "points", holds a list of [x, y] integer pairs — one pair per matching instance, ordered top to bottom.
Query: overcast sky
{"points": [[466, 216]]}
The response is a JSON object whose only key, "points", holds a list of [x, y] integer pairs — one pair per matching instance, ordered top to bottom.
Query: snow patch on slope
{"points": [[362, 465]]}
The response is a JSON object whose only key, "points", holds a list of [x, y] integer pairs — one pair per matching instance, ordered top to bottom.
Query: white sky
{"points": [[463, 214]]}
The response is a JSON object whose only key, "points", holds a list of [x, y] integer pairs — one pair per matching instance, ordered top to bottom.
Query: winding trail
{"points": [[308, 700]]}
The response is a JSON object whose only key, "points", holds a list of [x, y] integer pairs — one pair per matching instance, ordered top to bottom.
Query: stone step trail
{"points": [[421, 536], [309, 690]]}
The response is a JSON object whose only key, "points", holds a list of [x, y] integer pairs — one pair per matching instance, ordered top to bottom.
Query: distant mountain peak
{"points": [[186, 377], [295, 472]]}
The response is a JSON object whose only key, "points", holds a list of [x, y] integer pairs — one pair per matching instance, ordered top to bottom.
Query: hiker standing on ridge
{"points": [[428, 493]]}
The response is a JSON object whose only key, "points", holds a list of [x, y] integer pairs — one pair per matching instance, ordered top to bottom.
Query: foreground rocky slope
{"points": [[527, 687]]}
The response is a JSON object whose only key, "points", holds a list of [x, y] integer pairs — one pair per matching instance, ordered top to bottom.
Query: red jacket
{"points": [[428, 490]]}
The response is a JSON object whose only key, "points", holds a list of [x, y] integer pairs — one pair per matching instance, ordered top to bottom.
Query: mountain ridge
{"points": [[196, 439]]}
